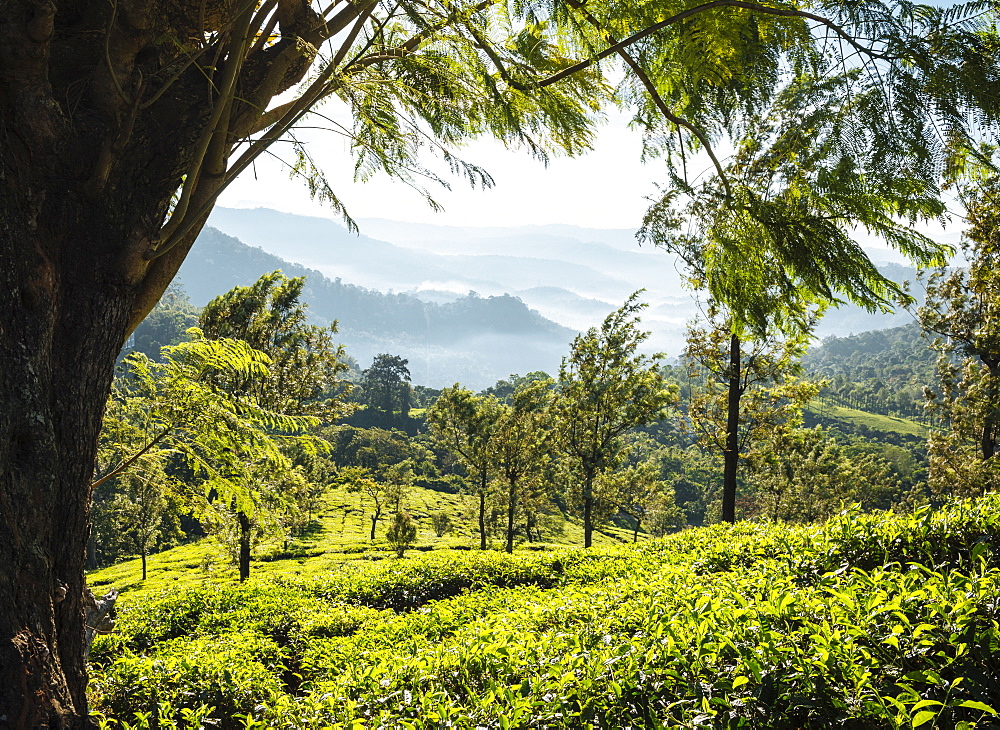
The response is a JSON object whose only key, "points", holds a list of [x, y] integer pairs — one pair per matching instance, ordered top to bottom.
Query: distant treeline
{"points": [[883, 372]]}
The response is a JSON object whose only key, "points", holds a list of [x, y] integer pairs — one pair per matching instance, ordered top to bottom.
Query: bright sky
{"points": [[606, 188]]}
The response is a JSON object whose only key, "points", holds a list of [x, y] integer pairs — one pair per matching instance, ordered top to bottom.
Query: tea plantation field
{"points": [[867, 621]]}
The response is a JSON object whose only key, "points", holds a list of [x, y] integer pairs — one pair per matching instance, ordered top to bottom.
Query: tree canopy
{"points": [[121, 123], [606, 387]]}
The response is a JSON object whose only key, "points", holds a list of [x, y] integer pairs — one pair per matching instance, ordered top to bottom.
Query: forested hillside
{"points": [[473, 339], [883, 371], [369, 516], [291, 526]]}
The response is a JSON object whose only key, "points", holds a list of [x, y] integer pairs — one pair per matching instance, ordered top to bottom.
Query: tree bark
{"points": [[73, 285], [63, 324], [732, 452], [511, 509], [588, 509], [482, 512], [244, 545], [144, 565]]}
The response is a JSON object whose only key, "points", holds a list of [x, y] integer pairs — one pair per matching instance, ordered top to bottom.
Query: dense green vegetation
{"points": [[127, 123], [881, 372], [389, 439], [376, 601], [866, 621]]}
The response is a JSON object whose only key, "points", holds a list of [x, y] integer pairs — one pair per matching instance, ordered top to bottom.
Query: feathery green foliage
{"points": [[849, 126], [305, 367], [184, 407]]}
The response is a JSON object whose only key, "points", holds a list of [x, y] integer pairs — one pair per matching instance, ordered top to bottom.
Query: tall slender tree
{"points": [[606, 388], [750, 389], [468, 425], [521, 446]]}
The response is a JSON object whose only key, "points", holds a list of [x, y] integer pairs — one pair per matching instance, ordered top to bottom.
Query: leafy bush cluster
{"points": [[865, 622]]}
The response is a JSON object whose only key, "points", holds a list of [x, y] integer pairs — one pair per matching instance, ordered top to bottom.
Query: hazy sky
{"points": [[608, 187], [605, 188]]}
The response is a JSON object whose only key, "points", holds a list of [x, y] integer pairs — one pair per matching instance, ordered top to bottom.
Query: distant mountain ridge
{"points": [[573, 276], [472, 339]]}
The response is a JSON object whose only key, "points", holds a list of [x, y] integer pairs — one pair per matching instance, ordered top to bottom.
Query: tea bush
{"points": [[867, 621]]}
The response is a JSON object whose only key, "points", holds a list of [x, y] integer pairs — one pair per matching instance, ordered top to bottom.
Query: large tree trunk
{"points": [[93, 146], [73, 285], [64, 319], [732, 452]]}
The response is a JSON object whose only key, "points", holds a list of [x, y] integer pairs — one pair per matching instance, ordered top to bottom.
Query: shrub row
{"points": [[868, 621]]}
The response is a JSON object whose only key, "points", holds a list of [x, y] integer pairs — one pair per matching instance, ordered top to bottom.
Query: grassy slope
{"points": [[874, 421], [340, 535]]}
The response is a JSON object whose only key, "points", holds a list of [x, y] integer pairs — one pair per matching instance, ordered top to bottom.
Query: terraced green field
{"points": [[867, 621]]}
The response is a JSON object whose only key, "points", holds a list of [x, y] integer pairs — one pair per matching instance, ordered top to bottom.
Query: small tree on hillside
{"points": [[606, 388], [467, 424], [357, 479], [398, 479], [638, 491], [143, 512], [441, 523], [402, 533]]}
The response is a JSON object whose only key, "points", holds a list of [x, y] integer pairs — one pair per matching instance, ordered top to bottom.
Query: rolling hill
{"points": [[571, 275], [471, 339]]}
